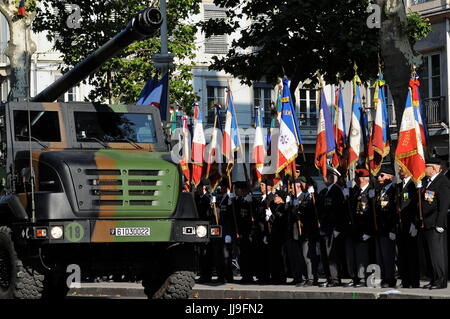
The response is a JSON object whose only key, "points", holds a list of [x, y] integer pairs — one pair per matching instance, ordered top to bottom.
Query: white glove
{"points": [[419, 184], [311, 189], [346, 192], [371, 193], [248, 198], [288, 199], [213, 200], [268, 214], [440, 229], [413, 230], [335, 233], [392, 236], [365, 237], [227, 239], [265, 240]]}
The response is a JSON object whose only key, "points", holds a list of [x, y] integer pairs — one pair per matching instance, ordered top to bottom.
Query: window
{"points": [[413, 2], [216, 44], [430, 81], [72, 94], [216, 95], [263, 97], [308, 107], [44, 126], [115, 127]]}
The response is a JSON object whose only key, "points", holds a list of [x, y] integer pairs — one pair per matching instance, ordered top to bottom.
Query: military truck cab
{"points": [[101, 195]]}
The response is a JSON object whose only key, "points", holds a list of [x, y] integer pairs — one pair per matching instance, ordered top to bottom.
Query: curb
{"points": [[243, 292]]}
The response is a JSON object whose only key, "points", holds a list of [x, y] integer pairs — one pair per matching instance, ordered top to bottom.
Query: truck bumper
{"points": [[110, 231]]}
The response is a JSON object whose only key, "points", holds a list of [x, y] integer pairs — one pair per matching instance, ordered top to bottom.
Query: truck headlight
{"points": [[201, 231], [56, 232]]}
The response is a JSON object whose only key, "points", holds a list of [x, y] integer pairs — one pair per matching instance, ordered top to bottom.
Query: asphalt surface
{"points": [[239, 291]]}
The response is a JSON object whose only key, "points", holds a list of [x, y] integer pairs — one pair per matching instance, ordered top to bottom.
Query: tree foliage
{"points": [[297, 39], [123, 77]]}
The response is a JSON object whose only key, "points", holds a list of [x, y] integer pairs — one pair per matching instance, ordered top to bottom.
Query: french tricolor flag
{"points": [[21, 10], [414, 84], [339, 128], [357, 133], [289, 139], [231, 140], [325, 143], [379, 143], [258, 145], [198, 146], [409, 153], [184, 162]]}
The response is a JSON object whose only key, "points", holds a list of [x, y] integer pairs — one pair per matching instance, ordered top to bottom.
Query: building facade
{"points": [[435, 76]]}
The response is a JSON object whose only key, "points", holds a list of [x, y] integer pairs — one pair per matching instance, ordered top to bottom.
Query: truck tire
{"points": [[17, 280], [178, 285]]}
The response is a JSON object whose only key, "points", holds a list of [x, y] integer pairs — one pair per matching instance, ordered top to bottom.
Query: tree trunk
{"points": [[19, 51], [398, 53]]}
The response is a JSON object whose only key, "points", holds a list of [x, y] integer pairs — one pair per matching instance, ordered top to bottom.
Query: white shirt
{"points": [[432, 179], [406, 181], [364, 188]]}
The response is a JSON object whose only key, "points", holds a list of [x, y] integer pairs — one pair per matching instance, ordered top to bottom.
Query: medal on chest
{"points": [[429, 196]]}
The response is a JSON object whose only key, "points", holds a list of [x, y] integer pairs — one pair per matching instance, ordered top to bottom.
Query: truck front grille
{"points": [[120, 188]]}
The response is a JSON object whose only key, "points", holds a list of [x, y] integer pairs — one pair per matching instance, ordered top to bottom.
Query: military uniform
{"points": [[435, 203], [386, 215], [332, 219], [246, 223], [361, 228], [230, 232], [260, 234], [309, 238], [277, 239], [408, 253], [294, 256], [206, 258]]}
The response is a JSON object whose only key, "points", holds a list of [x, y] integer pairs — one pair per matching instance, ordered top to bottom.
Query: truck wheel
{"points": [[17, 280], [178, 285]]}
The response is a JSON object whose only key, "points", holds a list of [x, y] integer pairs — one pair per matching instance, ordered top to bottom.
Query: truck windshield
{"points": [[44, 126], [110, 126]]}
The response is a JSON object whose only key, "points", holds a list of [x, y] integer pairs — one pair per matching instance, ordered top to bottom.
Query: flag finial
{"points": [[355, 67]]}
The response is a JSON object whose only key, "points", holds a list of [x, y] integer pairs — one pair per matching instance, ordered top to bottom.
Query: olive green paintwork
{"points": [[163, 201]]}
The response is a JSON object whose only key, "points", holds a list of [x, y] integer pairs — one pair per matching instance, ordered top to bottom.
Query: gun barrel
{"points": [[141, 26]]}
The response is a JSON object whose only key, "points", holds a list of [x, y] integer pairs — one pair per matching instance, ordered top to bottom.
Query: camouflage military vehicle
{"points": [[89, 184]]}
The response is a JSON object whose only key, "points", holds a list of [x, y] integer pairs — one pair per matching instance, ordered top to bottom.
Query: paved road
{"points": [[236, 291]]}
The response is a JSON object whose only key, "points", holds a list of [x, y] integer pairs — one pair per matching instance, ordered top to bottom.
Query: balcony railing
{"points": [[435, 110], [306, 119]]}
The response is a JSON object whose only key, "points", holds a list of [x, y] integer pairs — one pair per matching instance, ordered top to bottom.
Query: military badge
{"points": [[429, 196]]}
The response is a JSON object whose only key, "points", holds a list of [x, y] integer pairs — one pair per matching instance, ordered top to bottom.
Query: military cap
{"points": [[432, 160], [387, 169], [332, 170], [362, 172], [267, 181], [282, 194]]}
